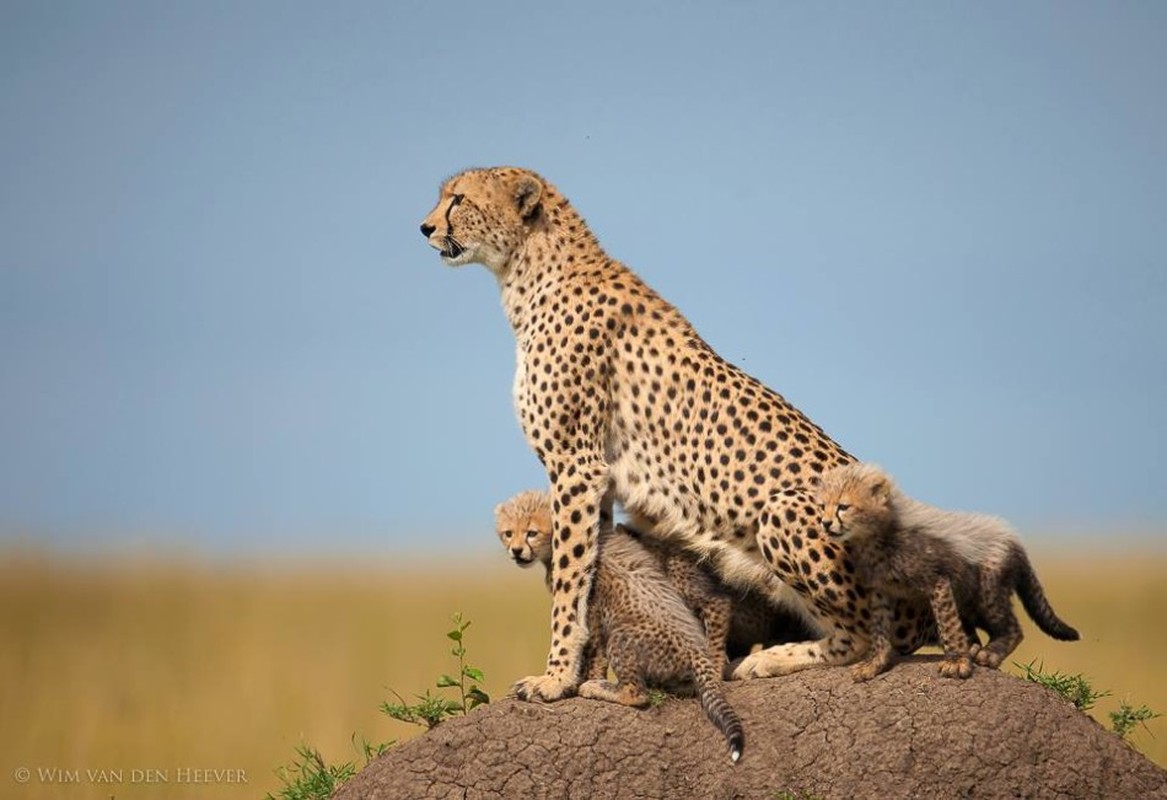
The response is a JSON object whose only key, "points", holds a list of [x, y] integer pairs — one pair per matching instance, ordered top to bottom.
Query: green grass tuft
{"points": [[1075, 688], [657, 697], [1128, 717], [309, 777]]}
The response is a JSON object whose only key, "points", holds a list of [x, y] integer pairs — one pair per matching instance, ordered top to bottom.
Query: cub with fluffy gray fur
{"points": [[967, 565], [639, 624]]}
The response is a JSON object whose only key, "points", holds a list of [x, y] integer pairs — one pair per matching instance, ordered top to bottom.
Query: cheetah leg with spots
{"points": [[580, 499], [791, 539], [1000, 621], [974, 638], [881, 654], [595, 656], [956, 663], [630, 688]]}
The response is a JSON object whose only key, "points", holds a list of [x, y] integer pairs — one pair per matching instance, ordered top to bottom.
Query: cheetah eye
{"points": [[457, 200], [842, 507], [531, 535]]}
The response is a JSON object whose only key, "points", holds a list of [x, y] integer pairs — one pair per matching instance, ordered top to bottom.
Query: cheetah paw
{"points": [[987, 658], [768, 664], [956, 667], [866, 670], [547, 688]]}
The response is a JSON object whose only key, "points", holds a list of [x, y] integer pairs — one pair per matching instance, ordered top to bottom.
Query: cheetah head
{"points": [[484, 216], [856, 501], [523, 525]]}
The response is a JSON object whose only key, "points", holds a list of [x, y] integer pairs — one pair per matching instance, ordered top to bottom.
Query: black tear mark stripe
{"points": [[455, 201]]}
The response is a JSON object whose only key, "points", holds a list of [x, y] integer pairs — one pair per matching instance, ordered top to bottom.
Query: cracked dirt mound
{"points": [[909, 733]]}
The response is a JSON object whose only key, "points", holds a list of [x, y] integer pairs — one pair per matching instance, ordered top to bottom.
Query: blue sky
{"points": [[939, 229]]}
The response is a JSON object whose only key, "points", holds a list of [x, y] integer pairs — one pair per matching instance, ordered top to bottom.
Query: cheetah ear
{"points": [[528, 193], [881, 489], [498, 509]]}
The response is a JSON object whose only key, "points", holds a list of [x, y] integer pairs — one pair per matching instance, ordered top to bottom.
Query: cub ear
{"points": [[528, 194], [881, 489], [498, 509]]}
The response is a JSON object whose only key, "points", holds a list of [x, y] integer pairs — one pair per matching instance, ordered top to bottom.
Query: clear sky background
{"points": [[939, 229]]}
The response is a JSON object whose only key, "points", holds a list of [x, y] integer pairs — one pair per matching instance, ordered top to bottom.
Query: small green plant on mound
{"points": [[1075, 688], [657, 697], [432, 709], [1127, 717], [309, 777]]}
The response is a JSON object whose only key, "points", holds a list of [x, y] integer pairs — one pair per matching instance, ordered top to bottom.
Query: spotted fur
{"points": [[621, 399], [967, 565]]}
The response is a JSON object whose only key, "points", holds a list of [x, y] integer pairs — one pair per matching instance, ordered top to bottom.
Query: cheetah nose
{"points": [[426, 230], [827, 525]]}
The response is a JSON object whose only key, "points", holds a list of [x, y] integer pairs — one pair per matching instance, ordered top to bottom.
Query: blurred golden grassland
{"points": [[167, 666]]}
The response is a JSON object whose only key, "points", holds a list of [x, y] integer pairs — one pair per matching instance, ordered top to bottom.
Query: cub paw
{"points": [[987, 658], [956, 667], [866, 670], [547, 688], [595, 690], [623, 693]]}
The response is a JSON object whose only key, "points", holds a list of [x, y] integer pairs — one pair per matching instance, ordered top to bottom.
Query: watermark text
{"points": [[65, 776]]}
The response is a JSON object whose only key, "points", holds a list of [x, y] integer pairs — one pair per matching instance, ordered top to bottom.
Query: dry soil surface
{"points": [[909, 733]]}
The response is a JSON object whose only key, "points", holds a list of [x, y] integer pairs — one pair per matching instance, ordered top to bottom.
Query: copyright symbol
{"points": [[22, 774]]}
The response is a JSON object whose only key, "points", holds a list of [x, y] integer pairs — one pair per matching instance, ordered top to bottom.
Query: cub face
{"points": [[484, 215], [856, 500], [523, 525]]}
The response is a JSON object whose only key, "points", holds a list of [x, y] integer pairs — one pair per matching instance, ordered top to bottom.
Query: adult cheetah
{"points": [[621, 399]]}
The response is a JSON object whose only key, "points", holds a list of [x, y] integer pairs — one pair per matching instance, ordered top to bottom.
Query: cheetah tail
{"points": [[1036, 605], [716, 707]]}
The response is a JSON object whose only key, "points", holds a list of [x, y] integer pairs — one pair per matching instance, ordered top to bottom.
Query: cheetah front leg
{"points": [[579, 497], [957, 662]]}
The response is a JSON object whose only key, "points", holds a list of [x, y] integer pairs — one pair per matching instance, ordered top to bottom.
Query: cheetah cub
{"points": [[523, 525], [968, 566], [736, 621], [638, 622]]}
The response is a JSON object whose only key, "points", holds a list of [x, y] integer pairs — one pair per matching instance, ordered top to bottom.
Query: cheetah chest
{"points": [[518, 388]]}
